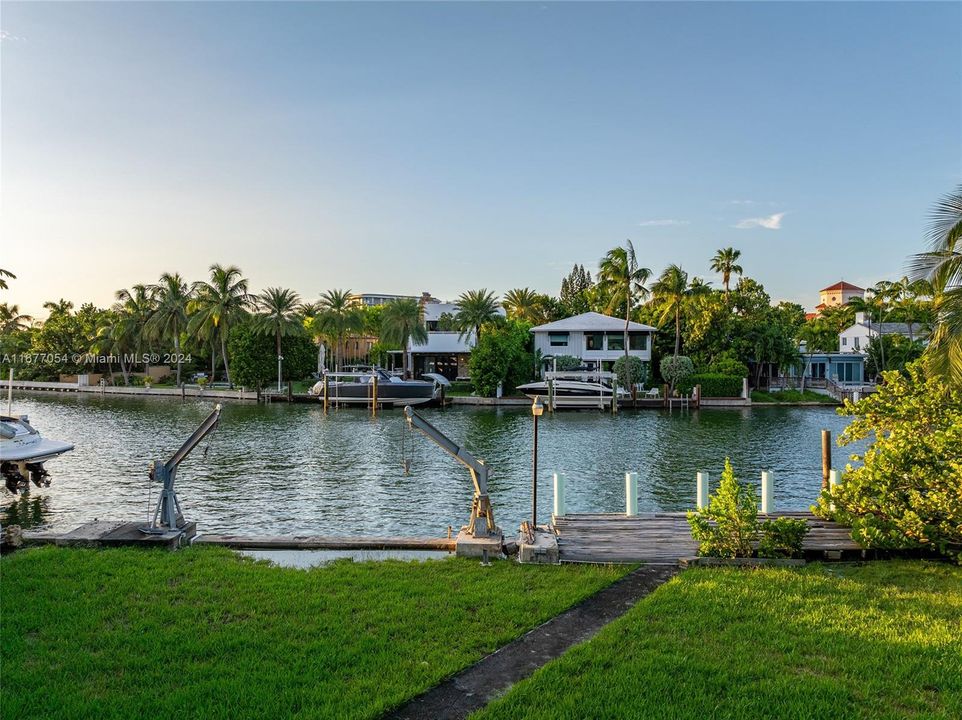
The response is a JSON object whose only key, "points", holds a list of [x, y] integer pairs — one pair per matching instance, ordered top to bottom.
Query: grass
{"points": [[792, 396], [129, 633], [883, 640]]}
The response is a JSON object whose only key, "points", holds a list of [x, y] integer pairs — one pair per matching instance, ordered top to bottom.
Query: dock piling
{"points": [[826, 457], [832, 482], [631, 494], [559, 496], [702, 500], [767, 504]]}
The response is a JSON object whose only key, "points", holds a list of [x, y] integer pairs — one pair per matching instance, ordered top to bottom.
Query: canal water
{"points": [[285, 469]]}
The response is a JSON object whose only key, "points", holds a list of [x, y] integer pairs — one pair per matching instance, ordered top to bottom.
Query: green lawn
{"points": [[792, 396], [205, 633], [883, 640]]}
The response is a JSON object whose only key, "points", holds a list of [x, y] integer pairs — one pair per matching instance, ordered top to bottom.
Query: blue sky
{"points": [[441, 147]]}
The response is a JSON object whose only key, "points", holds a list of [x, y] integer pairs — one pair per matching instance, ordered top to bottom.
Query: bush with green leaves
{"points": [[502, 355], [253, 357], [565, 362], [728, 366], [675, 369], [636, 374], [713, 385], [907, 493], [729, 525], [782, 538]]}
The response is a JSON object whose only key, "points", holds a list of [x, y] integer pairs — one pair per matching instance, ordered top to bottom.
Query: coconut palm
{"points": [[726, 263], [941, 265], [5, 274], [622, 280], [669, 292], [218, 304], [524, 304], [61, 307], [134, 307], [476, 308], [279, 315], [339, 317], [169, 318], [12, 320], [403, 320]]}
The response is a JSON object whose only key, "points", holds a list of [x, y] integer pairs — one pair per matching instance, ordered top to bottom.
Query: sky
{"points": [[409, 147]]}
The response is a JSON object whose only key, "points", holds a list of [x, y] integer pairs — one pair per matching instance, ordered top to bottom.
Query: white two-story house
{"points": [[597, 340]]}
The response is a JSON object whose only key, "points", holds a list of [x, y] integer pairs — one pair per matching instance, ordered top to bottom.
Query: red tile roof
{"points": [[842, 285]]}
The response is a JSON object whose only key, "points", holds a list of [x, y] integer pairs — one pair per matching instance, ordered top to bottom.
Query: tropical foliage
{"points": [[476, 309], [403, 320], [502, 355]]}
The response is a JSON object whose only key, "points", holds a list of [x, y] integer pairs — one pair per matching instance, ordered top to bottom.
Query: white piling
{"points": [[832, 482], [702, 490], [631, 494], [559, 495], [767, 504]]}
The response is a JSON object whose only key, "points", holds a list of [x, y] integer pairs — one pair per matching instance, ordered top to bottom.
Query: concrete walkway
{"points": [[475, 687]]}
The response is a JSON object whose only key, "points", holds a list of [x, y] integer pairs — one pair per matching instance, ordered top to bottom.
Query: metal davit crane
{"points": [[481, 535]]}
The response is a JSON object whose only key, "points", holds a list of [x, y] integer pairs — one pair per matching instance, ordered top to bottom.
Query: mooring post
{"points": [[325, 393], [374, 395], [826, 457], [832, 482], [631, 494], [559, 496], [702, 500], [767, 505]]}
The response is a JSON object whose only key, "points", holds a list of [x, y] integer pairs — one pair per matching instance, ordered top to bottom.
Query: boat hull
{"points": [[388, 394], [571, 394]]}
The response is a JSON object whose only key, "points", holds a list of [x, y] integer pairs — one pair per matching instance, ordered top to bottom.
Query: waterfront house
{"points": [[856, 338], [597, 340], [446, 351], [842, 368]]}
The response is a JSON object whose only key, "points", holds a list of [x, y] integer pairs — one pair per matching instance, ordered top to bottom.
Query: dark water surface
{"points": [[284, 469]]}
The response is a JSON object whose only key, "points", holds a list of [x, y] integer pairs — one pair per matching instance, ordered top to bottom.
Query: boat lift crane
{"points": [[167, 515], [481, 527]]}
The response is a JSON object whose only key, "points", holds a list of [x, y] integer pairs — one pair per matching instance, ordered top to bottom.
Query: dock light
{"points": [[537, 408]]}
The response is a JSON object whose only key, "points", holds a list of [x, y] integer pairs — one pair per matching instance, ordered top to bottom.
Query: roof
{"points": [[842, 285], [592, 322], [894, 328], [443, 343]]}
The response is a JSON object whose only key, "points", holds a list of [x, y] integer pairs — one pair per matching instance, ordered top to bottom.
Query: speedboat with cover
{"points": [[23, 452]]}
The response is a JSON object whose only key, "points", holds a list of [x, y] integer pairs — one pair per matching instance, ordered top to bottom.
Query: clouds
{"points": [[770, 222], [663, 223]]}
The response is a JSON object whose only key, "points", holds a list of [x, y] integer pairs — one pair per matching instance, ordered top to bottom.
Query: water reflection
{"points": [[290, 469]]}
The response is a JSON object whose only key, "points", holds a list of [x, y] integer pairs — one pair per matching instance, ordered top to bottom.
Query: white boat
{"points": [[357, 388], [573, 389], [23, 452]]}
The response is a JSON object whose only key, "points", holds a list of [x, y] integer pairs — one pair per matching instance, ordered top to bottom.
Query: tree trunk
{"points": [[677, 330], [277, 336], [177, 351], [223, 351], [320, 352], [213, 359], [123, 369]]}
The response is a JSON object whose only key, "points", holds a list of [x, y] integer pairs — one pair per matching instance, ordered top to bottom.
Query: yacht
{"points": [[356, 387], [575, 389], [23, 452]]}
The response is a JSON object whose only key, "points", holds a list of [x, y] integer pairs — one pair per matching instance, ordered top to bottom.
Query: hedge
{"points": [[713, 385]]}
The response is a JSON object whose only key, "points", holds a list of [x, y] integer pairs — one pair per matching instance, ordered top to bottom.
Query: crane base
{"points": [[473, 547]]}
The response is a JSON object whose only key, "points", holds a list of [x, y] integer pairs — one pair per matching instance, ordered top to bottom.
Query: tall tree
{"points": [[726, 263], [941, 265], [5, 274], [623, 280], [574, 291], [668, 293], [138, 304], [218, 304], [524, 304], [476, 308], [278, 315], [340, 316], [169, 317], [12, 320], [403, 320], [818, 336]]}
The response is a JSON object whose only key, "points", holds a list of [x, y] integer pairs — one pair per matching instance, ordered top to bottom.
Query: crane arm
{"points": [[199, 434], [479, 471]]}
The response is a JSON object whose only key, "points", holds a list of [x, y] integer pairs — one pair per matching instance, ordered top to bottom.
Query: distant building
{"points": [[838, 294], [372, 299], [594, 338], [856, 338], [447, 351], [840, 368]]}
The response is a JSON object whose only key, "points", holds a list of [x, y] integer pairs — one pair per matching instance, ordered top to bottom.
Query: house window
{"points": [[558, 339], [594, 341], [616, 341], [638, 341], [844, 341], [856, 344], [818, 370]]}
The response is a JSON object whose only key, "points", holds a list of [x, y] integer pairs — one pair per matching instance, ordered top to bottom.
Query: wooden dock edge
{"points": [[318, 542]]}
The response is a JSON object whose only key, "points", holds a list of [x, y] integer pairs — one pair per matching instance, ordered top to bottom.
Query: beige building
{"points": [[838, 294]]}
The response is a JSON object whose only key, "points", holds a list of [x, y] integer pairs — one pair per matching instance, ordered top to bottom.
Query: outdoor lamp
{"points": [[537, 408]]}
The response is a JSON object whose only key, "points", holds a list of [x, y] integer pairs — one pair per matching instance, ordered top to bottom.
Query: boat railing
{"points": [[584, 375]]}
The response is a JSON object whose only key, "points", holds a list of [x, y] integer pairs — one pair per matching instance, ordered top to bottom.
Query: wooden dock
{"points": [[113, 533], [664, 538]]}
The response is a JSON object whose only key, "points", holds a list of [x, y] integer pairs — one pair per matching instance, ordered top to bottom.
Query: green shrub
{"points": [[501, 355], [253, 357], [566, 362], [728, 366], [675, 370], [636, 374], [713, 385], [907, 492], [729, 525], [782, 538]]}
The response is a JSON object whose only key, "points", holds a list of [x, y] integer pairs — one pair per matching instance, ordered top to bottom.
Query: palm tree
{"points": [[726, 263], [942, 267], [5, 274], [621, 278], [669, 292], [218, 304], [524, 304], [875, 305], [134, 306], [61, 307], [476, 308], [279, 316], [339, 317], [169, 318], [11, 320], [403, 320], [818, 336]]}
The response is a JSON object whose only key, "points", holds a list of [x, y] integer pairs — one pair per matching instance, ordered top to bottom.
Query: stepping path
{"points": [[476, 686]]}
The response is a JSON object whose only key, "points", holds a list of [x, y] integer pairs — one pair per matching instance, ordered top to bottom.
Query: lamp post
{"points": [[537, 408]]}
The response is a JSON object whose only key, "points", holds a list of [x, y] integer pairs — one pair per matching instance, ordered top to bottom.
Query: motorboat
{"points": [[358, 387], [574, 389], [23, 452]]}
